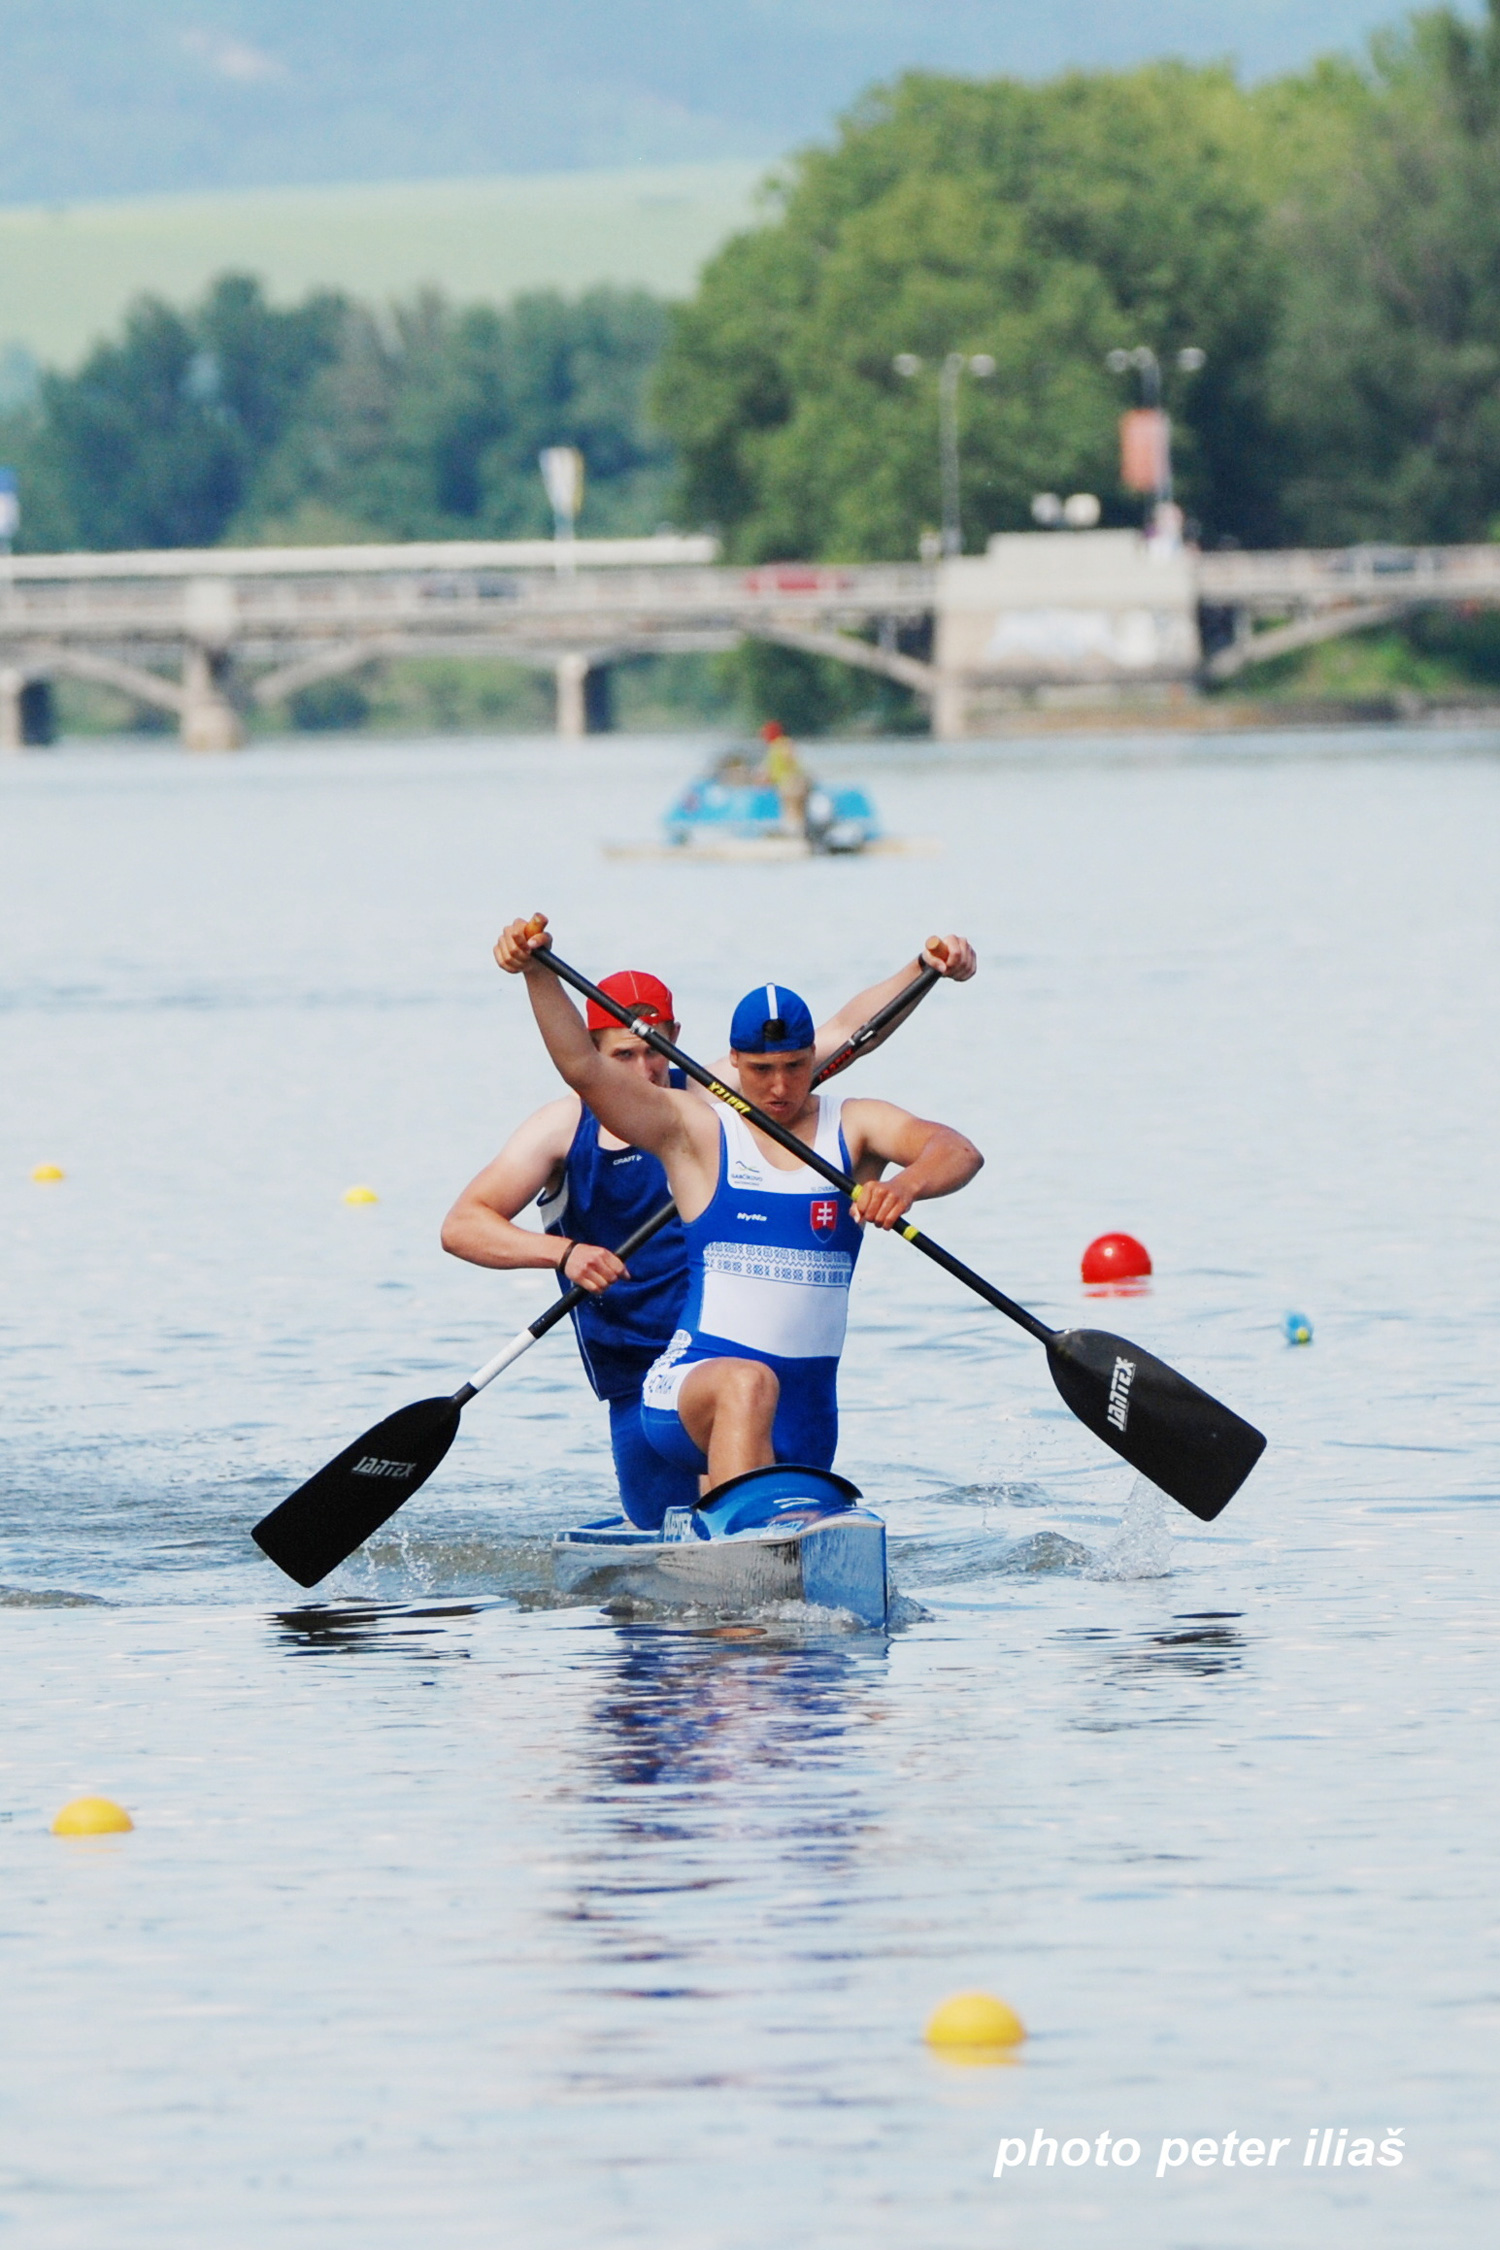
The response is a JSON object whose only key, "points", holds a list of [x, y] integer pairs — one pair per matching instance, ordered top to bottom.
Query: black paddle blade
{"points": [[1175, 1434], [324, 1520]]}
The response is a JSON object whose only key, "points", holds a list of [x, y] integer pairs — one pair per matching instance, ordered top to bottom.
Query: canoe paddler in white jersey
{"points": [[593, 1190], [750, 1375]]}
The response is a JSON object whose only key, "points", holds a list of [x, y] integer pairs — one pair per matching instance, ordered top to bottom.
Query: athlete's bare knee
{"points": [[750, 1385], [729, 1400]]}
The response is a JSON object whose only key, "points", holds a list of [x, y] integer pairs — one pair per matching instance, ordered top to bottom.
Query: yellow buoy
{"points": [[44, 1174], [360, 1195], [92, 1816], [974, 2022]]}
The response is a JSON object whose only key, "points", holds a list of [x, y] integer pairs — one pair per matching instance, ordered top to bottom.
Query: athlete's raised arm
{"points": [[951, 956], [625, 1102], [933, 1159]]}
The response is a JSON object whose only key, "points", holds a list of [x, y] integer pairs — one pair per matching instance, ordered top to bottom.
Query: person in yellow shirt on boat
{"points": [[787, 775]]}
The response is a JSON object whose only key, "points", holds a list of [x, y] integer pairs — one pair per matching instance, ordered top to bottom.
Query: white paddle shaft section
{"points": [[502, 1360]]}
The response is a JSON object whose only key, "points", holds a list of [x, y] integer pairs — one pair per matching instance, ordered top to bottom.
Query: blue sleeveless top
{"points": [[606, 1193]]}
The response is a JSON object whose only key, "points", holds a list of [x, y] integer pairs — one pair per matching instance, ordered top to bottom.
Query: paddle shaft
{"points": [[894, 1012], [882, 1021], [735, 1100]]}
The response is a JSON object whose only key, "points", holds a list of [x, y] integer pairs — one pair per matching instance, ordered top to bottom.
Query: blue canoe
{"points": [[716, 809], [772, 1535]]}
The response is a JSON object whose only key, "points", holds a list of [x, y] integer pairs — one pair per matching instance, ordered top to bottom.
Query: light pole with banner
{"points": [[950, 371], [1146, 435], [562, 474], [10, 509]]}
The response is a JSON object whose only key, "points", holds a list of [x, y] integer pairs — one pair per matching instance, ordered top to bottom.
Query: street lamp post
{"points": [[1145, 361], [950, 372], [562, 474]]}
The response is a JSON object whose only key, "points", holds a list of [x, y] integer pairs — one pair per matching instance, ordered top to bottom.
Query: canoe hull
{"points": [[778, 1535]]}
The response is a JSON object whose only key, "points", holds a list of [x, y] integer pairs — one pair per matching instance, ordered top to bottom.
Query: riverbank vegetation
{"points": [[1329, 241], [234, 421]]}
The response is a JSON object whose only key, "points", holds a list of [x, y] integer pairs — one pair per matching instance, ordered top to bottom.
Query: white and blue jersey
{"points": [[769, 1266]]}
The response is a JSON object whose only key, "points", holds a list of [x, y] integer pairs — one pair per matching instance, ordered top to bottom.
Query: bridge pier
{"points": [[572, 674], [583, 697], [950, 707], [25, 710], [209, 720], [12, 728]]}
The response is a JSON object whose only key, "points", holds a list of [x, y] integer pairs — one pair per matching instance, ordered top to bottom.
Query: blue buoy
{"points": [[1298, 1328]]}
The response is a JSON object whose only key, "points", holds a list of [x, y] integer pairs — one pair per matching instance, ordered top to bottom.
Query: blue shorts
{"points": [[616, 1370], [806, 1428], [649, 1485]]}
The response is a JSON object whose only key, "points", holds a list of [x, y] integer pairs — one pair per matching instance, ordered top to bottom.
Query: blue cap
{"points": [[771, 1021]]}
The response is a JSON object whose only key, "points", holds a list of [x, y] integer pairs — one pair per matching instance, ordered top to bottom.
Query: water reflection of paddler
{"points": [[593, 1188], [750, 1374], [700, 1707]]}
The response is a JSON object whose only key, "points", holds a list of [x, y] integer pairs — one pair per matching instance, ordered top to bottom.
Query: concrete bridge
{"points": [[1039, 619]]}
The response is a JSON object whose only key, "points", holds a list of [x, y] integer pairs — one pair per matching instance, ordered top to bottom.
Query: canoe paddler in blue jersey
{"points": [[593, 1188], [749, 1376]]}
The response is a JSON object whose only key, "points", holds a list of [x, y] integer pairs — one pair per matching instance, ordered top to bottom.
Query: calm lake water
{"points": [[457, 1916]]}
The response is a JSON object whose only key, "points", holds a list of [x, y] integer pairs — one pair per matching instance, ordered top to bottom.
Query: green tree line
{"points": [[1330, 241], [234, 420]]}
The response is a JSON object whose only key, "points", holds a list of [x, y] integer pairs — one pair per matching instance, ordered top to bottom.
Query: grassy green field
{"points": [[67, 271]]}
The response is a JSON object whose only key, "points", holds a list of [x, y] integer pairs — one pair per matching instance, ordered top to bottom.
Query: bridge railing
{"points": [[1332, 575], [226, 605], [203, 632]]}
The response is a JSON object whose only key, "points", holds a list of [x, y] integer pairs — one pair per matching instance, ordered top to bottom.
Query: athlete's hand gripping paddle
{"points": [[1194, 1448], [322, 1523]]}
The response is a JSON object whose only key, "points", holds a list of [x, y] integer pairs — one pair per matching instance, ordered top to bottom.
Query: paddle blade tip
{"points": [[1188, 1443], [1207, 1493], [320, 1525], [285, 1552]]}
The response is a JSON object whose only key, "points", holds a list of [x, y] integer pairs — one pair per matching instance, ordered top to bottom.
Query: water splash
{"points": [[1142, 1547], [1041, 1553], [958, 1559], [457, 1560], [48, 1597]]}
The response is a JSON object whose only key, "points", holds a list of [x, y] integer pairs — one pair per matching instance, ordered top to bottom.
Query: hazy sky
{"points": [[124, 96]]}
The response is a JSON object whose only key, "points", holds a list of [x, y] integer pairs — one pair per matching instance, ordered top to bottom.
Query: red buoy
{"points": [[1116, 1257]]}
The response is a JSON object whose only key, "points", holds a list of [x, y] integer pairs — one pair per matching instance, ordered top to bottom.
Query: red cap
{"points": [[772, 730], [634, 989]]}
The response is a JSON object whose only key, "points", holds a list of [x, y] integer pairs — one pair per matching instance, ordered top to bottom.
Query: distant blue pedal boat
{"points": [[721, 808], [786, 1534]]}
